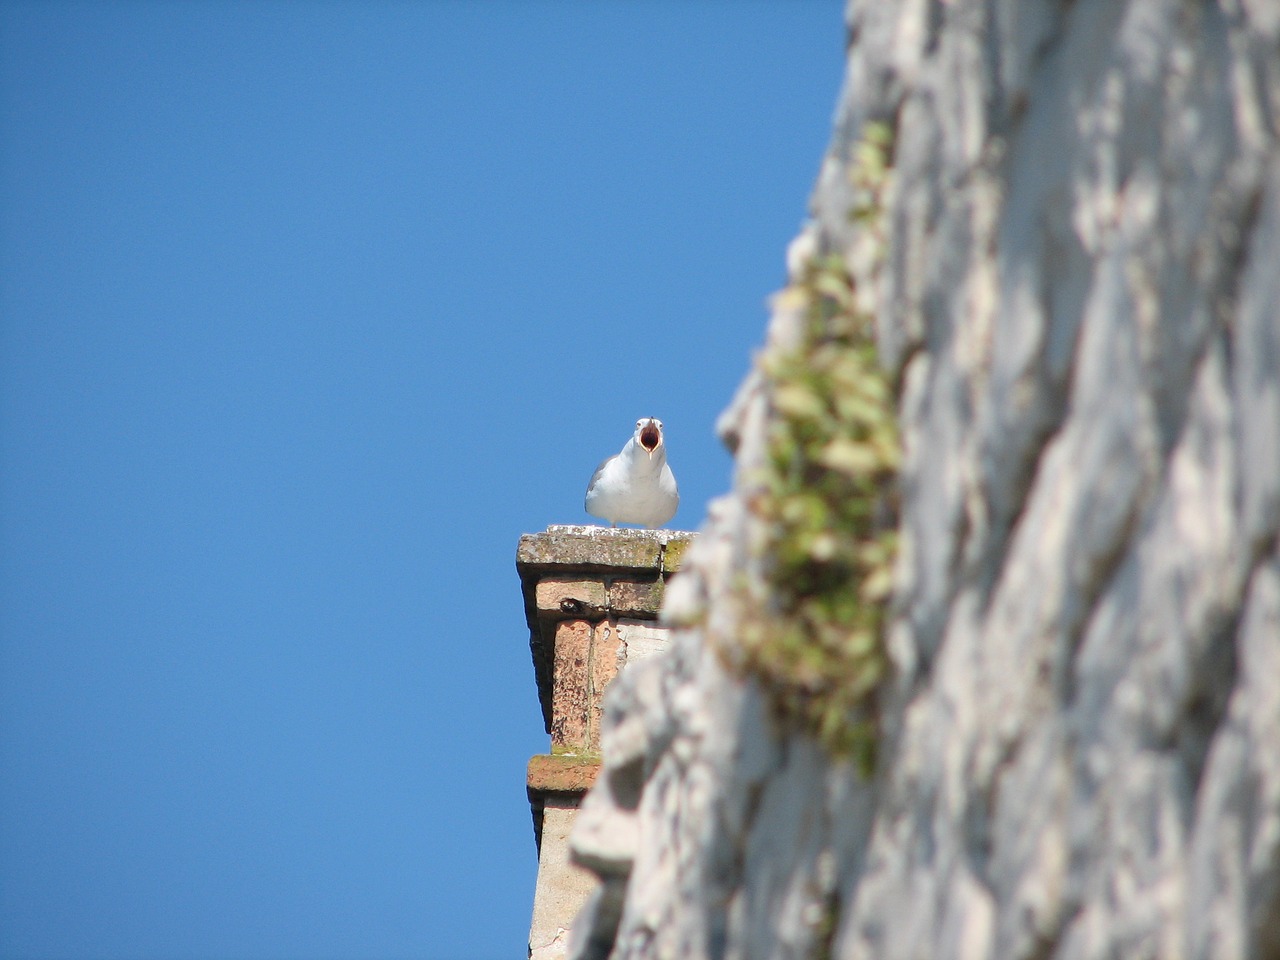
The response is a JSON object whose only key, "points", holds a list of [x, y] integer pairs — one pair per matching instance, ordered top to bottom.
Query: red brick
{"points": [[570, 705], [558, 774]]}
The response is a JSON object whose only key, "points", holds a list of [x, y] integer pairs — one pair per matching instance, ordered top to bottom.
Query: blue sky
{"points": [[307, 312]]}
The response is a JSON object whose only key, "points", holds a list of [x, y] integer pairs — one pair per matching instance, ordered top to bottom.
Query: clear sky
{"points": [[307, 312]]}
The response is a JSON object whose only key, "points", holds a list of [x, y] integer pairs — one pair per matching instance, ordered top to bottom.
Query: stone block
{"points": [[565, 547], [569, 596], [632, 597], [558, 773]]}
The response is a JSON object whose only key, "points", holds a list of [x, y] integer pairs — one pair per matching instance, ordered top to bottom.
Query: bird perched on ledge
{"points": [[636, 485]]}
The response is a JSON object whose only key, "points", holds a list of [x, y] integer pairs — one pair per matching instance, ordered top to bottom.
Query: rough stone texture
{"points": [[1080, 294], [562, 547], [629, 598]]}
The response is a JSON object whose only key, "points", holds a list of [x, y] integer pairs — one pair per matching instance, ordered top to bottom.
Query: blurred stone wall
{"points": [[1076, 285]]}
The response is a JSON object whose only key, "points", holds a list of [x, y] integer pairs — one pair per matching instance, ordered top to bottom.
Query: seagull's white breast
{"points": [[634, 487]]}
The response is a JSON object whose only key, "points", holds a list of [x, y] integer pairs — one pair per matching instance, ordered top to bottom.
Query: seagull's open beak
{"points": [[650, 438]]}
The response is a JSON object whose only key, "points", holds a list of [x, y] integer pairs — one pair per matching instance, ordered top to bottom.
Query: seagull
{"points": [[636, 485]]}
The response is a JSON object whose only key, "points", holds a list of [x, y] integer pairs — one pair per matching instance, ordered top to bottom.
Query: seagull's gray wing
{"points": [[599, 470]]}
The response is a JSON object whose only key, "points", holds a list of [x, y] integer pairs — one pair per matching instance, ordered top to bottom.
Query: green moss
{"points": [[827, 499], [673, 553]]}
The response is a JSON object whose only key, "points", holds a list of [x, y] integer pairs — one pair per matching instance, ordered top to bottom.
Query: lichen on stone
{"points": [[812, 629]]}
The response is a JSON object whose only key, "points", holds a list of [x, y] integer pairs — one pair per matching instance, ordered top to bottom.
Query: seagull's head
{"points": [[649, 435]]}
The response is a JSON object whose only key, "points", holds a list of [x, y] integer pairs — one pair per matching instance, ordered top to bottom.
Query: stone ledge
{"points": [[563, 547], [558, 773], [559, 780]]}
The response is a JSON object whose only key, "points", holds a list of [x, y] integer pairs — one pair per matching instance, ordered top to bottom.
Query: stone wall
{"points": [[1075, 282]]}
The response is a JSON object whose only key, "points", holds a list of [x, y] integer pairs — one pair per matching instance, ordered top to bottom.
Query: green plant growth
{"points": [[814, 636]]}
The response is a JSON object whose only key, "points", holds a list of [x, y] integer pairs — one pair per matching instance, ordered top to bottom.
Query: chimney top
{"points": [[629, 567]]}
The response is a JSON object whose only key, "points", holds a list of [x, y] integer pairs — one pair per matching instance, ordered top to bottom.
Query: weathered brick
{"points": [[570, 704], [549, 773]]}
